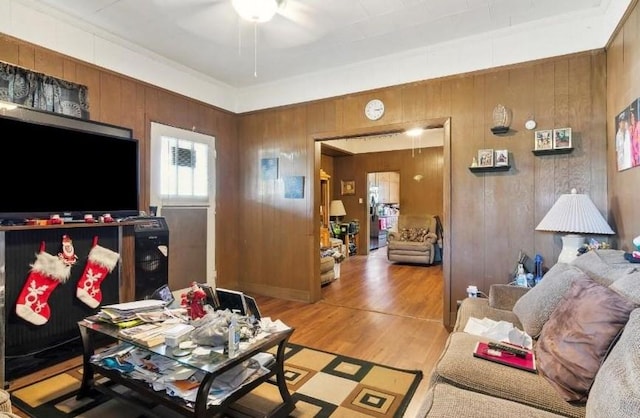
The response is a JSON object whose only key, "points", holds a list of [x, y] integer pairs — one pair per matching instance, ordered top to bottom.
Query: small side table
{"points": [[337, 244]]}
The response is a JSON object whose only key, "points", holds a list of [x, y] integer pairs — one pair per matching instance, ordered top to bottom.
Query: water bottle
{"points": [[538, 262], [234, 337]]}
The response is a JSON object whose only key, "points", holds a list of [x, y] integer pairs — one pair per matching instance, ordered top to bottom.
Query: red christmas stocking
{"points": [[100, 263], [46, 274]]}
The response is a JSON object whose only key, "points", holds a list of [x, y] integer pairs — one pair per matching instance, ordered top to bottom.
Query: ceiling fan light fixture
{"points": [[256, 10]]}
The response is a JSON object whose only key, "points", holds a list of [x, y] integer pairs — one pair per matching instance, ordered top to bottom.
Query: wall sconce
{"points": [[501, 120]]}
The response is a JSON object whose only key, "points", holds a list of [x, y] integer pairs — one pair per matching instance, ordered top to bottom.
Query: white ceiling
{"points": [[306, 36]]}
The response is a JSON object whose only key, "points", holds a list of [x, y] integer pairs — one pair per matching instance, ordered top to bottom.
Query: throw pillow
{"points": [[413, 234], [603, 266], [628, 286], [534, 308], [578, 336], [615, 392]]}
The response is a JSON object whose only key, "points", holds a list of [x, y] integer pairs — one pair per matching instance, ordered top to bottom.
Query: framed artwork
{"points": [[627, 126], [562, 138], [543, 139], [485, 158], [502, 158], [269, 168], [294, 187], [347, 187]]}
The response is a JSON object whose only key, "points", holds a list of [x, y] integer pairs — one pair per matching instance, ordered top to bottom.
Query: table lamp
{"points": [[336, 209], [575, 214]]}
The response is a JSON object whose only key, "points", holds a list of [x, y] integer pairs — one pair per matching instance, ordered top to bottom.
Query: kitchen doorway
{"points": [[384, 206]]}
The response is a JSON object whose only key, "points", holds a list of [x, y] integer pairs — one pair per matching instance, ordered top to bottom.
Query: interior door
{"points": [[183, 189]]}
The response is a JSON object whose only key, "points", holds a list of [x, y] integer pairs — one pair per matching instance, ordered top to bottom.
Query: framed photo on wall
{"points": [[562, 138], [543, 139], [485, 158], [502, 158], [269, 168], [347, 187]]}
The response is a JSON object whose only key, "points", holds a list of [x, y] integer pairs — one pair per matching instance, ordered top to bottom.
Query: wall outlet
{"points": [[472, 291]]}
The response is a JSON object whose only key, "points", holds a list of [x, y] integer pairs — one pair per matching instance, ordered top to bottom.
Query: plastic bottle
{"points": [[538, 262], [521, 277], [234, 337]]}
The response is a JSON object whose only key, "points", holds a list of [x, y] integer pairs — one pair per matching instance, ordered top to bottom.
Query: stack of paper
{"points": [[126, 314]]}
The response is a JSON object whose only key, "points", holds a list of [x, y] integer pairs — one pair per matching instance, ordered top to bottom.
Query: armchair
{"points": [[415, 240]]}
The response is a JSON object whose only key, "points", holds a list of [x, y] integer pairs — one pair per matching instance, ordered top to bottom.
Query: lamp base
{"points": [[570, 245]]}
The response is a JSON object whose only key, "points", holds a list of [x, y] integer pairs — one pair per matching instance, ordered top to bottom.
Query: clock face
{"points": [[374, 109]]}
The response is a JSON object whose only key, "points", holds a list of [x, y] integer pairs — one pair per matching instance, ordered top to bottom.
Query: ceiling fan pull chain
{"points": [[239, 38], [255, 49]]}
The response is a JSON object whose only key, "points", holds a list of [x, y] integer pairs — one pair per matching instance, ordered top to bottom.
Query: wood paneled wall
{"points": [[623, 86], [122, 101], [490, 216]]}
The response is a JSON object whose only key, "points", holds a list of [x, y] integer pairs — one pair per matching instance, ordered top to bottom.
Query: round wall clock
{"points": [[374, 109]]}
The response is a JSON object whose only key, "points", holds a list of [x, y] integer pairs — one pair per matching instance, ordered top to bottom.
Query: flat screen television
{"points": [[60, 165]]}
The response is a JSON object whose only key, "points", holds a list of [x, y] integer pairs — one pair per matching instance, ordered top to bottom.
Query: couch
{"points": [[414, 241], [584, 320]]}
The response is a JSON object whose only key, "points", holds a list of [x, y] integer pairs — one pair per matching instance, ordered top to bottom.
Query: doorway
{"points": [[416, 181], [183, 191], [384, 206]]}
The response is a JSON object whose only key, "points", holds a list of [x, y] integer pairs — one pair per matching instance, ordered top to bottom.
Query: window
{"points": [[181, 167]]}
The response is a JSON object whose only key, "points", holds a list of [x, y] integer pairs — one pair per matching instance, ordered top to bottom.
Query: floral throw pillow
{"points": [[413, 234]]}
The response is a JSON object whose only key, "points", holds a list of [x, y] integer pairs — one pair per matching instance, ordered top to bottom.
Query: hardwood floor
{"points": [[377, 311]]}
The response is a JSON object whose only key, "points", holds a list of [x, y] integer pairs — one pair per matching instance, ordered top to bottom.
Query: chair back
{"points": [[417, 221]]}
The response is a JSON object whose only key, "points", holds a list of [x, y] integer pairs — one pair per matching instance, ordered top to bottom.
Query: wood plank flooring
{"points": [[377, 311]]}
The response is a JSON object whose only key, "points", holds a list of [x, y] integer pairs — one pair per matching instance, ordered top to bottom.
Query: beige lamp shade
{"points": [[336, 208], [575, 214]]}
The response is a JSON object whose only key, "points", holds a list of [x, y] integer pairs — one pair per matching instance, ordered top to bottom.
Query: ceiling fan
{"points": [[288, 22]]}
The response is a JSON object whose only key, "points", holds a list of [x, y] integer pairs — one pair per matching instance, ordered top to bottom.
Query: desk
{"points": [[212, 368]]}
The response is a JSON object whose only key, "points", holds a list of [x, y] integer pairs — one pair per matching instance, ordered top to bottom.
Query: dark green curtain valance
{"points": [[43, 92]]}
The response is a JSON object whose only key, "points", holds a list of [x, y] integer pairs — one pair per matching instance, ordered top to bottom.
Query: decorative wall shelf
{"points": [[499, 130], [552, 151], [488, 169]]}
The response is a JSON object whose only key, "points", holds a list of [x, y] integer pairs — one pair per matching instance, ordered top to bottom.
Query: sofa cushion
{"points": [[603, 266], [628, 286], [534, 307], [578, 335], [457, 366], [616, 389], [446, 401]]}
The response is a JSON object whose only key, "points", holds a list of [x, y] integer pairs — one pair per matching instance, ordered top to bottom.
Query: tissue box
{"points": [[176, 334]]}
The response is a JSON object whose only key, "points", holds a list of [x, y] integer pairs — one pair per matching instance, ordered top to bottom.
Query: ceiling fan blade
{"points": [[212, 20], [293, 26]]}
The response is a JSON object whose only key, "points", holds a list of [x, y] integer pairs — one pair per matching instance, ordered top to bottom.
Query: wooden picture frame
{"points": [[562, 138], [543, 139], [485, 158], [501, 158], [347, 187]]}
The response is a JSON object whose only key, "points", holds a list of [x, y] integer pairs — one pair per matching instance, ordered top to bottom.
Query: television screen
{"points": [[57, 169]]}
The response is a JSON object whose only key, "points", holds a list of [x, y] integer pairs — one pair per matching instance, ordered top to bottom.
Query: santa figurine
{"points": [[68, 254], [194, 300]]}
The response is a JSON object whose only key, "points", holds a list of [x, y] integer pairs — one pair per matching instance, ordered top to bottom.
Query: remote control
{"points": [[509, 349]]}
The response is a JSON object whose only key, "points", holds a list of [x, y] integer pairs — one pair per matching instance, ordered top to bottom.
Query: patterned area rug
{"points": [[322, 384]]}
